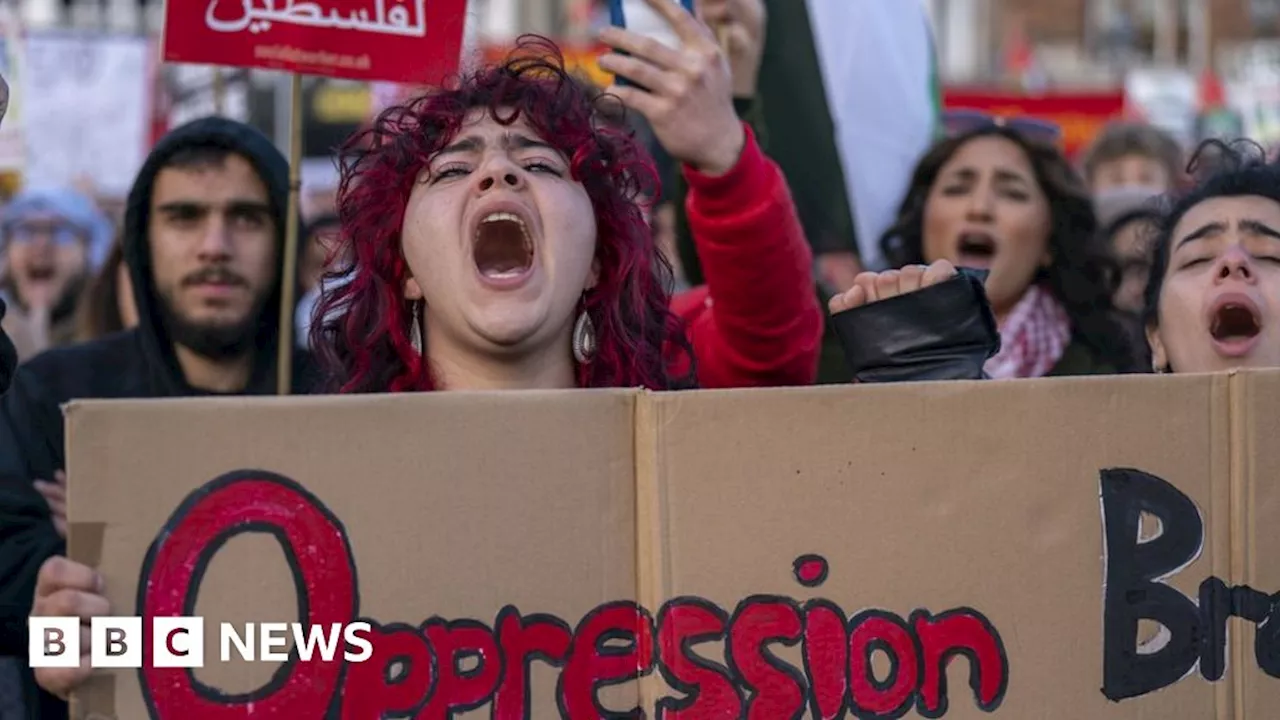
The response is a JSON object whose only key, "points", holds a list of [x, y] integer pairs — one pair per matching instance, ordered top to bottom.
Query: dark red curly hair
{"points": [[361, 326]]}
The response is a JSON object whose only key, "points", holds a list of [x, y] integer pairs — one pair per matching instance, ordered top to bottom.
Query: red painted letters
{"points": [[444, 667]]}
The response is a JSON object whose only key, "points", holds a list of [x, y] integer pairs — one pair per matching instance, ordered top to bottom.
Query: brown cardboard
{"points": [[937, 497], [976, 503], [455, 506], [1255, 509]]}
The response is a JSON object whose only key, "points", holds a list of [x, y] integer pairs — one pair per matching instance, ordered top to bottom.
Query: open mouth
{"points": [[503, 249], [976, 249], [41, 273], [1235, 322]]}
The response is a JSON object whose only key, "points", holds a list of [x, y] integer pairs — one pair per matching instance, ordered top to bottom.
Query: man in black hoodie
{"points": [[203, 240]]}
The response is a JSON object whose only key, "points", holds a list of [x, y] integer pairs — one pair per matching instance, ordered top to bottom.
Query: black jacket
{"points": [[943, 332], [8, 354], [138, 363]]}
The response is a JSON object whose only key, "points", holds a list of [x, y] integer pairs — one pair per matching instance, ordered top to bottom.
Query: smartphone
{"points": [[638, 17]]}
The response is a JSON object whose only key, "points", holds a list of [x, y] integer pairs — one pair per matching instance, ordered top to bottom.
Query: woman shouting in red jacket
{"points": [[498, 242]]}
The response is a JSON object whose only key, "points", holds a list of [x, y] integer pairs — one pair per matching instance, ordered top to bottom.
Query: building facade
{"points": [[1093, 42]]}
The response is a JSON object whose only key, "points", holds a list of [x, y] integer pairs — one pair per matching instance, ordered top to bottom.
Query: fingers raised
{"points": [[714, 12], [686, 26], [645, 48], [637, 71], [636, 99], [939, 271], [910, 278], [867, 281], [887, 284], [870, 287], [855, 296]]}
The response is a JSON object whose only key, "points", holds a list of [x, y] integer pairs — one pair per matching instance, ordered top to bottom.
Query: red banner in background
{"points": [[354, 39], [1080, 115]]}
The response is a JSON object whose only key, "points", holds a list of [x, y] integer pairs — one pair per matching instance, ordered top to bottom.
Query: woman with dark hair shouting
{"points": [[999, 196], [497, 239], [1213, 300]]}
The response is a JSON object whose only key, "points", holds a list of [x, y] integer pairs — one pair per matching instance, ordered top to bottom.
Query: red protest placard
{"points": [[411, 41]]}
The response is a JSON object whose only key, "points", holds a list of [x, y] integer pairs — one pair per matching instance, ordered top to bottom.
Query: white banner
{"points": [[876, 59], [85, 109], [12, 151]]}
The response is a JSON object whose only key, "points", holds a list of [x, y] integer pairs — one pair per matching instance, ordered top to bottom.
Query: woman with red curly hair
{"points": [[497, 240]]}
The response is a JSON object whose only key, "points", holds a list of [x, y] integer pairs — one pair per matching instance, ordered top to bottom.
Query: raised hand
{"points": [[740, 26], [686, 93], [869, 287]]}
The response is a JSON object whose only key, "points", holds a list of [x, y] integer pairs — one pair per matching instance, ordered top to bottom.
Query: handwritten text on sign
{"points": [[410, 41], [1195, 633], [419, 670]]}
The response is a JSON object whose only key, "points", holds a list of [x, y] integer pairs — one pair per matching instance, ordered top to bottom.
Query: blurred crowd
{"points": [[65, 280]]}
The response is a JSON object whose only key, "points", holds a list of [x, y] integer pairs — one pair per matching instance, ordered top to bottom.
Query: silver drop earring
{"points": [[415, 325], [584, 338]]}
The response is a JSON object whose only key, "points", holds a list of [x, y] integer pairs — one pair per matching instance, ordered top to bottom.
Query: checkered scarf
{"points": [[1033, 338]]}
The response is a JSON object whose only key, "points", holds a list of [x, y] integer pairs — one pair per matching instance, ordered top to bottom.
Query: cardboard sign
{"points": [[412, 41], [1084, 547]]}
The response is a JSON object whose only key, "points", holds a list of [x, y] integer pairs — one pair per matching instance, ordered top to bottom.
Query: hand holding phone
{"points": [[637, 17], [685, 92]]}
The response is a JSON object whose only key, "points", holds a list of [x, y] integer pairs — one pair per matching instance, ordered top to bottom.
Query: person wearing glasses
{"points": [[998, 195], [51, 241]]}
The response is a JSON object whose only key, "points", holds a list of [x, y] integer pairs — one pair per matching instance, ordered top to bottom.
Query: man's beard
{"points": [[212, 341]]}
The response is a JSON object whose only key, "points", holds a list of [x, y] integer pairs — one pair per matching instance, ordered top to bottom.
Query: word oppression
{"points": [[441, 666]]}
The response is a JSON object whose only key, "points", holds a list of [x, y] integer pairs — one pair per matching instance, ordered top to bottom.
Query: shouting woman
{"points": [[999, 196], [498, 241], [1213, 300]]}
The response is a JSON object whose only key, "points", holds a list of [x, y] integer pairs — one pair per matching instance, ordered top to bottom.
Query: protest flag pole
{"points": [[219, 91], [289, 279]]}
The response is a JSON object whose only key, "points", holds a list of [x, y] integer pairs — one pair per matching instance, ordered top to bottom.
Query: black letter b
{"points": [[1132, 591]]}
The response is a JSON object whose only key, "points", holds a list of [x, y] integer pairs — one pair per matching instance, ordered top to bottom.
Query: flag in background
{"points": [[880, 71]]}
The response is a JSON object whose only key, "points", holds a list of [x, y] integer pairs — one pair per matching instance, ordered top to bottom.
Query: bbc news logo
{"points": [[179, 642]]}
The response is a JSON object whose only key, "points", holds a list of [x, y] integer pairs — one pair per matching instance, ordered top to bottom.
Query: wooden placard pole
{"points": [[219, 92], [289, 274]]}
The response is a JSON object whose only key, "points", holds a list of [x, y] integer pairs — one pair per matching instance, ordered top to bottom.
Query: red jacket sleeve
{"points": [[756, 322]]}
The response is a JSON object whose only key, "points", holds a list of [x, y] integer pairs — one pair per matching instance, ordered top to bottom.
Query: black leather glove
{"points": [[943, 332], [8, 355]]}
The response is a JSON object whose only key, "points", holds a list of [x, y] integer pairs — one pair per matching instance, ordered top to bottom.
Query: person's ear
{"points": [[412, 291], [1159, 355]]}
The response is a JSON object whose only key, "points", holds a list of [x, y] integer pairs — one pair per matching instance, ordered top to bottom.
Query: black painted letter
{"points": [[1133, 591]]}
